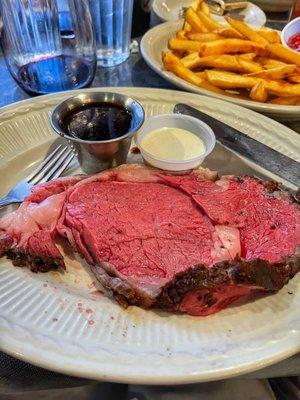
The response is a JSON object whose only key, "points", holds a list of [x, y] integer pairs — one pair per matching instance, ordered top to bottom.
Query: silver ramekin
{"points": [[95, 156]]}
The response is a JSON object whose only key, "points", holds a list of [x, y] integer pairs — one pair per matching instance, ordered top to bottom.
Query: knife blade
{"points": [[246, 146]]}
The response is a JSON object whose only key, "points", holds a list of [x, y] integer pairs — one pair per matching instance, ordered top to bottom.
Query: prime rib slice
{"points": [[27, 235], [191, 242]]}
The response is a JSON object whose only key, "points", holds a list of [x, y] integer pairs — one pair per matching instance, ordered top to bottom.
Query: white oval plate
{"points": [[168, 10], [154, 43], [56, 321]]}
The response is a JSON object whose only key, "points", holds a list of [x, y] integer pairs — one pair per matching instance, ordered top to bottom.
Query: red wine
{"points": [[55, 74], [98, 121]]}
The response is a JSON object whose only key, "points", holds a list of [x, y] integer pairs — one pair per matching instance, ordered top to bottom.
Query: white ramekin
{"points": [[290, 30], [194, 125]]}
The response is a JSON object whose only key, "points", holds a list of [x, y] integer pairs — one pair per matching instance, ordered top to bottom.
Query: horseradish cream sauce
{"points": [[173, 144]]}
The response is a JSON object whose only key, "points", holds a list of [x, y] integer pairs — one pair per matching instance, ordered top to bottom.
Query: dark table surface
{"points": [[16, 375]]}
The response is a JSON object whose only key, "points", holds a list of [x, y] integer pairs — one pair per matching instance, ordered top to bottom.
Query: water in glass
{"points": [[112, 27]]}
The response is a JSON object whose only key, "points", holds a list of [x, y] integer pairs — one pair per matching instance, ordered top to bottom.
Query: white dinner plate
{"points": [[168, 10], [154, 43], [59, 321]]}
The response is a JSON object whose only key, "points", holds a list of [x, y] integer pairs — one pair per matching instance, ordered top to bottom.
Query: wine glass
{"points": [[48, 45]]}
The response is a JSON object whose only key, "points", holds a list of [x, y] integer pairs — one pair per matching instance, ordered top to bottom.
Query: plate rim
{"points": [[157, 10], [37, 103], [20, 107], [281, 111], [6, 113], [93, 373]]}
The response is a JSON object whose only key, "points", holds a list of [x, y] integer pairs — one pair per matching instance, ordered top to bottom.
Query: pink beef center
{"points": [[264, 222], [143, 229]]}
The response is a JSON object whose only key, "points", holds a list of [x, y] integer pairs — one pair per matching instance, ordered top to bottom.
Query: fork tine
{"points": [[50, 164], [41, 166], [57, 166], [63, 166]]}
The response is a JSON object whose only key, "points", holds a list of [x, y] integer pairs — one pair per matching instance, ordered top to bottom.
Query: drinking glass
{"points": [[296, 9], [112, 27], [41, 54]]}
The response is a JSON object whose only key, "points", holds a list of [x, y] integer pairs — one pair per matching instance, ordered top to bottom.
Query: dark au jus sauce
{"points": [[98, 121]]}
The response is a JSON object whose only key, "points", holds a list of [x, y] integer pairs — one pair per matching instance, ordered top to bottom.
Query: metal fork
{"points": [[219, 7], [52, 167]]}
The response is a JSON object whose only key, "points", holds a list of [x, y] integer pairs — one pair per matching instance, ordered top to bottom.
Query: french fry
{"points": [[196, 4], [204, 8], [195, 22], [208, 22], [187, 27], [248, 32], [230, 33], [181, 35], [270, 35], [203, 37], [184, 45], [225, 46], [178, 53], [283, 53], [248, 56], [191, 61], [224, 61], [269, 63], [174, 65], [248, 66], [275, 73], [202, 74], [294, 78], [229, 80], [282, 88], [258, 92], [241, 93], [287, 101]]}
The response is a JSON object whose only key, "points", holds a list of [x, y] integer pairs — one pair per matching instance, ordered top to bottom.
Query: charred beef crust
{"points": [[271, 186], [5, 244], [22, 258], [35, 263], [256, 273], [123, 292]]}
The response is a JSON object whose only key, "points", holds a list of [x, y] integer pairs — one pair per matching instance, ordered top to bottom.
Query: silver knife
{"points": [[240, 143]]}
